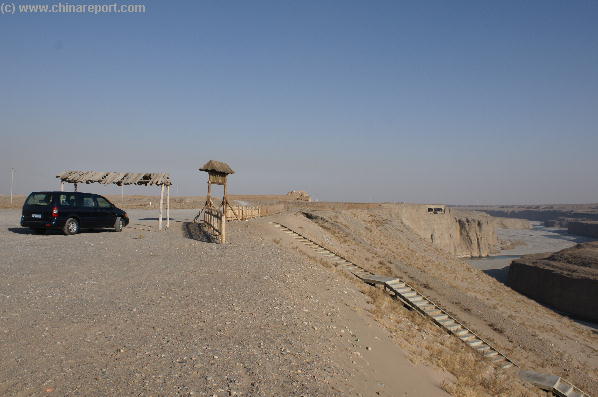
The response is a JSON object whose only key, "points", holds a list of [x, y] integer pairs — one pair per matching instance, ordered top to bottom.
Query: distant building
{"points": [[299, 195], [436, 208]]}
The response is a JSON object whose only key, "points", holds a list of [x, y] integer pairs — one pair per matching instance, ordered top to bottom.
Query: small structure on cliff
{"points": [[120, 179], [436, 209]]}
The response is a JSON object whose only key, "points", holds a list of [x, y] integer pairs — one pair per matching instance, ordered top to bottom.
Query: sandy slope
{"points": [[531, 334]]}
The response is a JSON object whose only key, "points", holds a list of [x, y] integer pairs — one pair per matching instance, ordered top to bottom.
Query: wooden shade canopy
{"points": [[123, 178]]}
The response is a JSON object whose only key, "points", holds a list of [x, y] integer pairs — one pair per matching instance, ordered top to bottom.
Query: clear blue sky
{"points": [[420, 101]]}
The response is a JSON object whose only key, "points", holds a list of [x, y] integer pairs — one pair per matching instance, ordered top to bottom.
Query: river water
{"points": [[536, 240]]}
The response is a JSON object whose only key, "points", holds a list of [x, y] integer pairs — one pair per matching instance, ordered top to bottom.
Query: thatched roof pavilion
{"points": [[217, 167], [117, 178], [121, 179]]}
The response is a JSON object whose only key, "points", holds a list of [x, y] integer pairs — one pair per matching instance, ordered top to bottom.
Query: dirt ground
{"points": [[144, 312], [164, 313]]}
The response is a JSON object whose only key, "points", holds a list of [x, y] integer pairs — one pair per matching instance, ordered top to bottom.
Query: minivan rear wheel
{"points": [[118, 224], [71, 226]]}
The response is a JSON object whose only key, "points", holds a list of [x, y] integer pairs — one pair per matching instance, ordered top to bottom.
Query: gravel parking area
{"points": [[143, 312]]}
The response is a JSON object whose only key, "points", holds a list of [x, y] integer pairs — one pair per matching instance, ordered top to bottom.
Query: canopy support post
{"points": [[209, 196], [161, 206], [167, 206], [223, 226]]}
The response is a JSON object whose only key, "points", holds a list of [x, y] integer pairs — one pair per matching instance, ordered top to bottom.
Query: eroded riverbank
{"points": [[538, 239]]}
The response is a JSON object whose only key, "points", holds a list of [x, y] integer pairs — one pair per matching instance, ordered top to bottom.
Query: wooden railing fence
{"points": [[242, 213], [215, 220]]}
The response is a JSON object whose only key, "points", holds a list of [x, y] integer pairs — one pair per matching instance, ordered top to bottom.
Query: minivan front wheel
{"points": [[118, 224], [71, 226]]}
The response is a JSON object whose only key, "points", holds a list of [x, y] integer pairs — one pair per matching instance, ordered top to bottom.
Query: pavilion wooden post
{"points": [[62, 186], [75, 186], [209, 195], [224, 198], [161, 205], [167, 206], [223, 219], [223, 226]]}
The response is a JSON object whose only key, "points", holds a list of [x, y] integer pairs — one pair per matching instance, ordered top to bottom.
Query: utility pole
{"points": [[12, 181]]}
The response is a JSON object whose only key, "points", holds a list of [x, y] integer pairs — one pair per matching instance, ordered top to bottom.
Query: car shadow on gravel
{"points": [[22, 230], [26, 230], [198, 232]]}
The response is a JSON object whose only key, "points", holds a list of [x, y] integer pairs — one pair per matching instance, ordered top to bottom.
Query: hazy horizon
{"points": [[437, 102]]}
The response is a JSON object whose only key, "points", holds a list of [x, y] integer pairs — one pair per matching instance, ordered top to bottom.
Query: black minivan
{"points": [[71, 212]]}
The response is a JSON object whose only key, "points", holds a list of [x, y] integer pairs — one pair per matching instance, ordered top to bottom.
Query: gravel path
{"points": [[148, 313]]}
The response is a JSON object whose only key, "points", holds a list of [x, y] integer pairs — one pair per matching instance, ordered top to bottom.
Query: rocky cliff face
{"points": [[551, 215], [511, 223], [583, 228], [458, 232], [461, 233], [566, 280]]}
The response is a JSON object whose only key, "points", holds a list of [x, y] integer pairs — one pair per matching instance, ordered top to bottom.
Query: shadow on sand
{"points": [[198, 232], [499, 274], [502, 276]]}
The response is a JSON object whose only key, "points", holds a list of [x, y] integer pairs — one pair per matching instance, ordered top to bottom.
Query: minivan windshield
{"points": [[40, 199], [103, 203]]}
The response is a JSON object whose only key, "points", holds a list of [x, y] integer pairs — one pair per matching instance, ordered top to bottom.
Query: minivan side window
{"points": [[39, 199], [67, 199], [89, 202], [103, 203]]}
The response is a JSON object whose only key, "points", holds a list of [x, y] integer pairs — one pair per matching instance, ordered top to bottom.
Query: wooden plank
{"points": [[377, 279]]}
